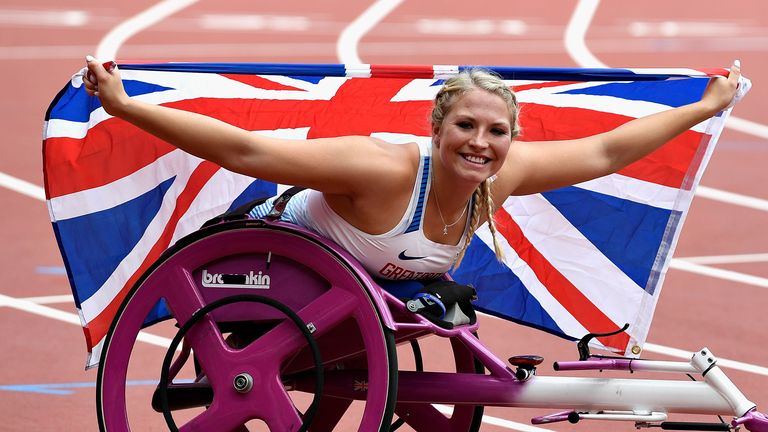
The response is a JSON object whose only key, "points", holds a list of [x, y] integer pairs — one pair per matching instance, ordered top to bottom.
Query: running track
{"points": [[715, 295]]}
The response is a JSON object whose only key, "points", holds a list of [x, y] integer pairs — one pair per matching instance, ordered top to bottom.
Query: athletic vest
{"points": [[404, 252]]}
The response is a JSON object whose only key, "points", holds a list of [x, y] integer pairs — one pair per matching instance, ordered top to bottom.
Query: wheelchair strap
{"points": [[278, 207], [242, 211]]}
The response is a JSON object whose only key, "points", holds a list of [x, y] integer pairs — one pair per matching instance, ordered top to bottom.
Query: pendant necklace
{"points": [[440, 212]]}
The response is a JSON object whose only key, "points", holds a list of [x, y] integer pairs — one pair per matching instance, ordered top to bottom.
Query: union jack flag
{"points": [[586, 258], [360, 386]]}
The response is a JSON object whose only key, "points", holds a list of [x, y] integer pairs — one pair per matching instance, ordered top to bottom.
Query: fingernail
{"points": [[89, 58], [737, 63]]}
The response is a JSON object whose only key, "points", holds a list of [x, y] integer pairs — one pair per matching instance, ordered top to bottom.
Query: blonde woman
{"points": [[409, 211]]}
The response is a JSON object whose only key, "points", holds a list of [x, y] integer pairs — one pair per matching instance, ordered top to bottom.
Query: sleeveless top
{"points": [[403, 252]]}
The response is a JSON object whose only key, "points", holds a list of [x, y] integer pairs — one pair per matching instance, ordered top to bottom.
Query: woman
{"points": [[408, 211]]}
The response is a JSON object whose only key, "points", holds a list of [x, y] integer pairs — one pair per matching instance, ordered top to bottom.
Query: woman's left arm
{"points": [[553, 164]]}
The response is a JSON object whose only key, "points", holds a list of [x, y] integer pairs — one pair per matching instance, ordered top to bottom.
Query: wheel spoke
{"points": [[182, 296], [324, 313], [209, 348], [277, 408], [217, 417]]}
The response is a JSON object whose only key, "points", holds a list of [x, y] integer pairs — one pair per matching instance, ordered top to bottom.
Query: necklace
{"points": [[440, 212]]}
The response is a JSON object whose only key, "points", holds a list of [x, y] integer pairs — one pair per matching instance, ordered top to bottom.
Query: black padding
{"points": [[452, 295]]}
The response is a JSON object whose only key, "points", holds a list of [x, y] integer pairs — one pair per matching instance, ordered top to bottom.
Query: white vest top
{"points": [[404, 252]]}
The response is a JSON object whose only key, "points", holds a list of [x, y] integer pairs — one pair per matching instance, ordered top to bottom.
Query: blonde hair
{"points": [[452, 90]]}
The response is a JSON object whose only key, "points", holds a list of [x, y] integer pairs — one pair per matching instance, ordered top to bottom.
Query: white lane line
{"points": [[45, 17], [254, 22], [455, 26], [675, 29], [110, 44], [575, 44], [346, 45], [747, 126], [21, 186], [731, 197], [728, 259], [728, 275], [54, 299], [67, 317], [683, 354], [722, 362], [508, 424]]}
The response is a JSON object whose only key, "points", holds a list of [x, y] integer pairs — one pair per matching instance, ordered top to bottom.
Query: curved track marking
{"points": [[575, 40], [575, 44], [346, 46], [108, 47]]}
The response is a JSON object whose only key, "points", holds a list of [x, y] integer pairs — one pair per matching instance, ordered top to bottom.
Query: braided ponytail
{"points": [[482, 197]]}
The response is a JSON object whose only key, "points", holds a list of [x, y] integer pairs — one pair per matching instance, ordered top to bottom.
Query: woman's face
{"points": [[475, 136]]}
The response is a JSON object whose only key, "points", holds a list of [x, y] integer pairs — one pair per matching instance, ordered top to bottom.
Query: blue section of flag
{"points": [[300, 71], [314, 79], [672, 93], [75, 105], [257, 189], [626, 232], [97, 242], [499, 291], [158, 313]]}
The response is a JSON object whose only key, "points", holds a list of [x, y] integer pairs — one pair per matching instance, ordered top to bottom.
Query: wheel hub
{"points": [[243, 382]]}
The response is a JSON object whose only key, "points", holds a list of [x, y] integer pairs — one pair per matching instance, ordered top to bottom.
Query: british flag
{"points": [[586, 258]]}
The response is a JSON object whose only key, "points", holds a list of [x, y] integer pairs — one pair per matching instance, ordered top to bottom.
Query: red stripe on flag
{"points": [[402, 71], [715, 71], [259, 82], [540, 85], [358, 108], [112, 150], [668, 165], [573, 300], [97, 328]]}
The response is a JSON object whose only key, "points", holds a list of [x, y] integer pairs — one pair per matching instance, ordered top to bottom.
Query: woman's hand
{"points": [[106, 85], [722, 92]]}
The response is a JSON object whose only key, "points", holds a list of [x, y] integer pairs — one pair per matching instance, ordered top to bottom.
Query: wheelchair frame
{"points": [[279, 270]]}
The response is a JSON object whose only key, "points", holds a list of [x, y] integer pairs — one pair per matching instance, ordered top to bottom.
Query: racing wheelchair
{"points": [[276, 325]]}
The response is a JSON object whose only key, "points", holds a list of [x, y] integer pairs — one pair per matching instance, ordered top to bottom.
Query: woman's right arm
{"points": [[333, 165]]}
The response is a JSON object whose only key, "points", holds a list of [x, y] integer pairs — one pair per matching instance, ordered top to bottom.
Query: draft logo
{"points": [[222, 280]]}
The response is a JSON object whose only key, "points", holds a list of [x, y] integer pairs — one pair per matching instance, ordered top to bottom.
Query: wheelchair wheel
{"points": [[254, 367], [426, 417]]}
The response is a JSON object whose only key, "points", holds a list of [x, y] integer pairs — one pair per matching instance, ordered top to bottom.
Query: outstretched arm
{"points": [[333, 165], [539, 166]]}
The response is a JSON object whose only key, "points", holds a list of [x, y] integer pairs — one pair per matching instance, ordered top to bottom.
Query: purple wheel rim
{"points": [[332, 293]]}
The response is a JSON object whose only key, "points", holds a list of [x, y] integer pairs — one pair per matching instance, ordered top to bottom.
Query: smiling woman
{"points": [[429, 198]]}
